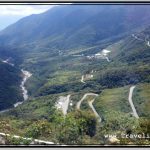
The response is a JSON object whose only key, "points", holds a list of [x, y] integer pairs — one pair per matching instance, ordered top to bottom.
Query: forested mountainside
{"points": [[79, 25], [89, 63], [10, 79]]}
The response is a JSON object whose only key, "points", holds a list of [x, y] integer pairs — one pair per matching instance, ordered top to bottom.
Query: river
{"points": [[27, 75]]}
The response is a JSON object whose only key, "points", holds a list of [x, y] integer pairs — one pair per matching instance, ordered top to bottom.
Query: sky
{"points": [[11, 13]]}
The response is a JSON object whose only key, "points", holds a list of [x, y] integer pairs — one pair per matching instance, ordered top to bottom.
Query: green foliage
{"points": [[56, 72], [10, 91], [141, 98], [116, 100], [39, 108], [144, 126], [73, 127], [37, 129], [10, 140]]}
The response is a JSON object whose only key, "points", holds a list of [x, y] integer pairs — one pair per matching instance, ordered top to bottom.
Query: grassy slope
{"points": [[66, 71], [142, 99], [113, 100], [117, 100], [39, 108]]}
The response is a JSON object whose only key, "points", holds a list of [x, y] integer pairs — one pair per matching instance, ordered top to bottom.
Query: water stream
{"points": [[27, 75]]}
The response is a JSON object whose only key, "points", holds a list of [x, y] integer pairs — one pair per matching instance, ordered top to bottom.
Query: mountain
{"points": [[65, 26], [41, 39], [38, 43], [73, 51]]}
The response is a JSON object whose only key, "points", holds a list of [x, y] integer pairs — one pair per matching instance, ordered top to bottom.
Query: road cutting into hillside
{"points": [[139, 39], [148, 43], [8, 62], [82, 79], [85, 95], [131, 102], [95, 112], [33, 141]]}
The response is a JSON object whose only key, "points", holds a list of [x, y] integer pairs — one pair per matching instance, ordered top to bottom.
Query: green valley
{"points": [[87, 75]]}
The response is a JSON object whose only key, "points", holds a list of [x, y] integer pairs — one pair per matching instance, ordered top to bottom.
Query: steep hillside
{"points": [[79, 24], [38, 43], [89, 55], [10, 92]]}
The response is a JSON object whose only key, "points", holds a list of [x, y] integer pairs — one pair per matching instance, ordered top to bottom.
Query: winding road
{"points": [[139, 39], [148, 43], [107, 59], [7, 62], [82, 79], [85, 95], [131, 102], [90, 104], [95, 112], [34, 141]]}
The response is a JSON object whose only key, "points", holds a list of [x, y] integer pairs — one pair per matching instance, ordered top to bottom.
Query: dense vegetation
{"points": [[57, 59], [10, 91], [142, 98]]}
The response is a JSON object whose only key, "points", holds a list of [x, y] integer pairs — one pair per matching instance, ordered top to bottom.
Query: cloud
{"points": [[23, 10], [11, 13]]}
